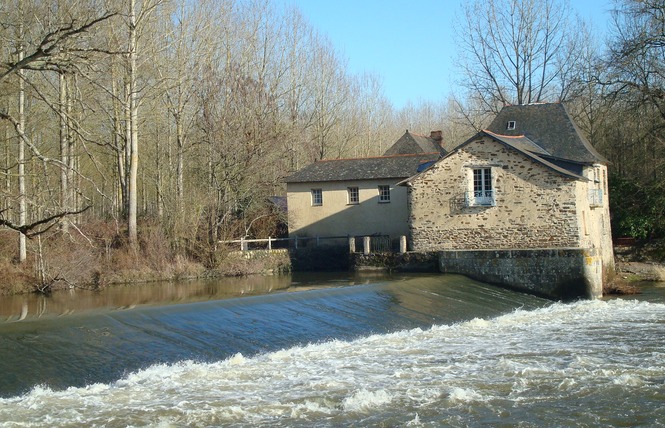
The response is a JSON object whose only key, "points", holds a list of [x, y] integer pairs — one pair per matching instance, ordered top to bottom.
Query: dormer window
{"points": [[511, 125]]}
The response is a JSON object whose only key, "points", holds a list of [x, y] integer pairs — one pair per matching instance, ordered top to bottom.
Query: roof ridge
{"points": [[504, 135], [380, 157]]}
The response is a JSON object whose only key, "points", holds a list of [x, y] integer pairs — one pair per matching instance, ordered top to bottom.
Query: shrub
{"points": [[637, 210]]}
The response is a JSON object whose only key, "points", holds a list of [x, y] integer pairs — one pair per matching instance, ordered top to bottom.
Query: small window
{"points": [[511, 125], [481, 193], [384, 194], [353, 196], [317, 197]]}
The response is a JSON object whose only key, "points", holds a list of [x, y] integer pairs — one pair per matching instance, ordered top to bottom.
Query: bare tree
{"points": [[43, 48], [517, 51], [637, 53], [634, 78], [330, 94], [132, 133]]}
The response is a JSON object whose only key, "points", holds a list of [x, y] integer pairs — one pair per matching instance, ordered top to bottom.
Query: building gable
{"points": [[410, 143], [520, 145], [487, 194]]}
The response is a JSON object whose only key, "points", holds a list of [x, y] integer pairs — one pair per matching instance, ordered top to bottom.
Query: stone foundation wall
{"points": [[264, 262], [396, 262], [559, 274]]}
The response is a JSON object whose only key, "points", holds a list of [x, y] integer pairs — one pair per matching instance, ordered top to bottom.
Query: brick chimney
{"points": [[437, 136]]}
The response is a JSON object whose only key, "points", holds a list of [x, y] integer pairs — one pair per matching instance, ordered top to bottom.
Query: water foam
{"points": [[523, 359], [464, 395], [364, 400]]}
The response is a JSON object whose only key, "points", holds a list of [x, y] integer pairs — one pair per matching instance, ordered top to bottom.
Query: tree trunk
{"points": [[133, 133], [119, 146], [64, 148], [180, 163], [73, 164], [158, 168], [8, 177], [22, 201]]}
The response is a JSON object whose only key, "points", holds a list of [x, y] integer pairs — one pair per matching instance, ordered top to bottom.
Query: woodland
{"points": [[135, 135]]}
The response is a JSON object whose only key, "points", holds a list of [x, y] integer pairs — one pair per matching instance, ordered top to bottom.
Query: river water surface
{"points": [[411, 350]]}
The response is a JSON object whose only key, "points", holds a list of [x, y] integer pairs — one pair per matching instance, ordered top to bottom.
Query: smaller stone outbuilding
{"points": [[523, 203]]}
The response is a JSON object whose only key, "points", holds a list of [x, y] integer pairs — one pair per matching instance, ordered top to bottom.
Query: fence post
{"points": [[296, 242], [269, 243], [352, 244], [402, 244], [243, 245], [366, 245]]}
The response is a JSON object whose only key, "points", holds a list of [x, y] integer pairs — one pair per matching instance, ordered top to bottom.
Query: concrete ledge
{"points": [[559, 274]]}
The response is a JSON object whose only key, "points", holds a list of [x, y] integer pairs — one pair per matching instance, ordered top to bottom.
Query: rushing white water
{"points": [[589, 363]]}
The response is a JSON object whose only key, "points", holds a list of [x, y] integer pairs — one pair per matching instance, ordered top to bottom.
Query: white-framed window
{"points": [[510, 125], [596, 189], [481, 192], [384, 193], [353, 196], [317, 197]]}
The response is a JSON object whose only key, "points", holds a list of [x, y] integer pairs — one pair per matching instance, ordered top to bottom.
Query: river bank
{"points": [[641, 262], [68, 265], [72, 266]]}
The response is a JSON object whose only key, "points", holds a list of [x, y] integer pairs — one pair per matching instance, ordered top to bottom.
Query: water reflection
{"points": [[122, 297]]}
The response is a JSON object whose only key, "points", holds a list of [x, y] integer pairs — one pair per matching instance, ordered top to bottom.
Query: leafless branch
{"points": [[52, 42], [29, 229]]}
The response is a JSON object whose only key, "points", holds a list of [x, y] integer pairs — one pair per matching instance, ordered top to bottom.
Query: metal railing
{"points": [[483, 198], [296, 241], [369, 243]]}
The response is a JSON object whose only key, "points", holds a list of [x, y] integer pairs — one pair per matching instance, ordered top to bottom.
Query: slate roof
{"points": [[551, 128], [544, 133], [520, 142], [414, 143], [531, 150], [382, 167]]}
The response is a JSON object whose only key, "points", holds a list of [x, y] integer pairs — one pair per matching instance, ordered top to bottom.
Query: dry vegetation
{"points": [[98, 255]]}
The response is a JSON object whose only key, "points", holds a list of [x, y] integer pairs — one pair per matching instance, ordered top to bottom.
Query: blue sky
{"points": [[409, 44]]}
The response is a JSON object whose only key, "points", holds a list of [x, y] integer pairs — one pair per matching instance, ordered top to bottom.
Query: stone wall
{"points": [[535, 207], [594, 218], [264, 262], [395, 262], [559, 274]]}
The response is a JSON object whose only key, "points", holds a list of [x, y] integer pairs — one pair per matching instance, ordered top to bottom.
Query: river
{"points": [[330, 350]]}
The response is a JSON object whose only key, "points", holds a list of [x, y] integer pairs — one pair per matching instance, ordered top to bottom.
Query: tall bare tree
{"points": [[43, 47], [517, 51], [636, 62]]}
